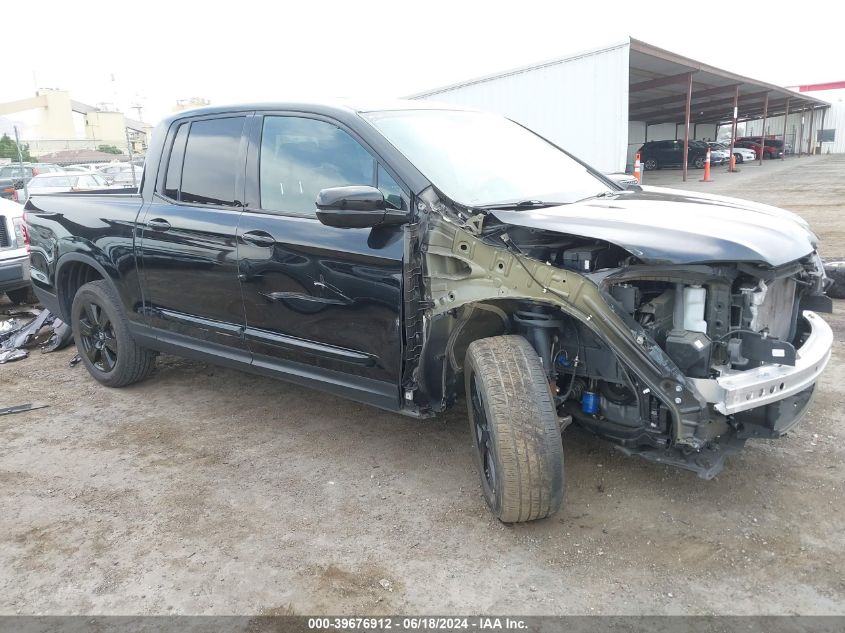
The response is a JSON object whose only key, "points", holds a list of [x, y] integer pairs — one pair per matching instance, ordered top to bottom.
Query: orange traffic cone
{"points": [[706, 167], [638, 174]]}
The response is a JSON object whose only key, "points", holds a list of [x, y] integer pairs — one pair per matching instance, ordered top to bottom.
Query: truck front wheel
{"points": [[102, 337], [515, 430]]}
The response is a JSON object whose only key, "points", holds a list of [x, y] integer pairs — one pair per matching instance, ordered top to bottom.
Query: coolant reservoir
{"points": [[694, 298]]}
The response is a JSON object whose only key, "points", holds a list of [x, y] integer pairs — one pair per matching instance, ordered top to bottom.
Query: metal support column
{"points": [[785, 119], [686, 125], [733, 125], [821, 127], [763, 133], [800, 142], [810, 148]]}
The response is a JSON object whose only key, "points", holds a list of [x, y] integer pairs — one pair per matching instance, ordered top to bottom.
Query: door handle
{"points": [[159, 224], [258, 238]]}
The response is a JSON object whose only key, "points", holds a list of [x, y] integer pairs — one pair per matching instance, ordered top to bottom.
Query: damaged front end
{"points": [[679, 362]]}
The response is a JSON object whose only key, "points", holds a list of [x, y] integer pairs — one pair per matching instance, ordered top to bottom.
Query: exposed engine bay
{"points": [[677, 363]]}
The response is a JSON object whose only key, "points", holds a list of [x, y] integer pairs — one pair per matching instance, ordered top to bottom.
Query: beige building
{"points": [[190, 103], [52, 121]]}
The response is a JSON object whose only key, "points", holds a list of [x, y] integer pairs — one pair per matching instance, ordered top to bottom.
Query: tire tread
{"points": [[524, 424]]}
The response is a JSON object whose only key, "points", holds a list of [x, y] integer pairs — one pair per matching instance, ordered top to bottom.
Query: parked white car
{"points": [[743, 154], [121, 173], [69, 181], [14, 259]]}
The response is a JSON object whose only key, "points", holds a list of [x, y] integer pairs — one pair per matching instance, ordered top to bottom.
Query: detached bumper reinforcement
{"points": [[742, 390]]}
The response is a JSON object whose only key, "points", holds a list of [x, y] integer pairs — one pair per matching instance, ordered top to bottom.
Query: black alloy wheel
{"points": [[101, 331], [98, 340], [483, 441]]}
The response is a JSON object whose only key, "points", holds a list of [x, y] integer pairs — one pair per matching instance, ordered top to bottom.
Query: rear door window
{"points": [[209, 170]]}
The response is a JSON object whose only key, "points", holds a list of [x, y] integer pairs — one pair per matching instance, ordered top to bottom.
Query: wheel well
{"points": [[72, 276], [451, 334]]}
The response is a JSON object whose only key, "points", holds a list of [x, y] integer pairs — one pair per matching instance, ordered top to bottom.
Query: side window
{"points": [[299, 157], [211, 161], [174, 165], [392, 191]]}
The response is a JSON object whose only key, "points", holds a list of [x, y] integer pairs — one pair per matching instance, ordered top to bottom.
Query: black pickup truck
{"points": [[402, 256]]}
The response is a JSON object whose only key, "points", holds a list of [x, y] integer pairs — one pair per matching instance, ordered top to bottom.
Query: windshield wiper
{"points": [[603, 194], [522, 204]]}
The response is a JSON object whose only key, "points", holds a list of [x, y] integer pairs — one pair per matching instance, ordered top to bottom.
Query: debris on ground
{"points": [[44, 330], [7, 356], [75, 361], [20, 408]]}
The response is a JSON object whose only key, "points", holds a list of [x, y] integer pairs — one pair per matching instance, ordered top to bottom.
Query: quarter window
{"points": [[299, 157], [211, 160], [174, 166]]}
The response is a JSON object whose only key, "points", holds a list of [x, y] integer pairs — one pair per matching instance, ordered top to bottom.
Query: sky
{"points": [[151, 52]]}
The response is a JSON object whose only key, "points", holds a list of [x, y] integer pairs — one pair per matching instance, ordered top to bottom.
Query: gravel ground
{"points": [[204, 490]]}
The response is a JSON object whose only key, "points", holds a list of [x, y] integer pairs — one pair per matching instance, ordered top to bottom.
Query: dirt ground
{"points": [[204, 490]]}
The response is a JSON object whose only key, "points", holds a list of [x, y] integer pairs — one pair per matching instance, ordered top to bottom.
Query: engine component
{"points": [[583, 259], [627, 295], [694, 299], [768, 306], [656, 315], [539, 325], [767, 349], [690, 351], [616, 392], [590, 403]]}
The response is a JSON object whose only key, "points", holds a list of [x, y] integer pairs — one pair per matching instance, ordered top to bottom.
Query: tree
{"points": [[8, 149], [109, 149]]}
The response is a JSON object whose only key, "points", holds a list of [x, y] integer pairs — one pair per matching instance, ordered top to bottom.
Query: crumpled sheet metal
{"points": [[16, 338], [8, 355]]}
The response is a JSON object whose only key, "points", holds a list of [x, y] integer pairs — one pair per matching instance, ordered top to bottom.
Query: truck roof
{"points": [[328, 107]]}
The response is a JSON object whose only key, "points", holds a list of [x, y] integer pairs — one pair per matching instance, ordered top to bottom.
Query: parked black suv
{"points": [[657, 154], [407, 255]]}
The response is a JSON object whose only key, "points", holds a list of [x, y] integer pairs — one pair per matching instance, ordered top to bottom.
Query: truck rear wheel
{"points": [[102, 337], [515, 431]]}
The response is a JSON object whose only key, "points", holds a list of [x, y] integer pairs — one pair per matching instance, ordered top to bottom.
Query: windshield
{"points": [[480, 159]]}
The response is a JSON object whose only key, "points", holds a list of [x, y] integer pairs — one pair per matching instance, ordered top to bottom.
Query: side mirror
{"points": [[356, 207]]}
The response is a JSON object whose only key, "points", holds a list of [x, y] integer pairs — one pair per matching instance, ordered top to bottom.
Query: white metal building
{"points": [[601, 105], [831, 124]]}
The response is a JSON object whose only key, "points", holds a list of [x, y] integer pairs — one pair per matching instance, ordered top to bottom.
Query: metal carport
{"points": [[668, 88], [601, 103]]}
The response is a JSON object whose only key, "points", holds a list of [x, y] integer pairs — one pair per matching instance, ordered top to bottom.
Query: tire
{"points": [[739, 158], [698, 163], [650, 164], [836, 271], [22, 295], [102, 337], [514, 428]]}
